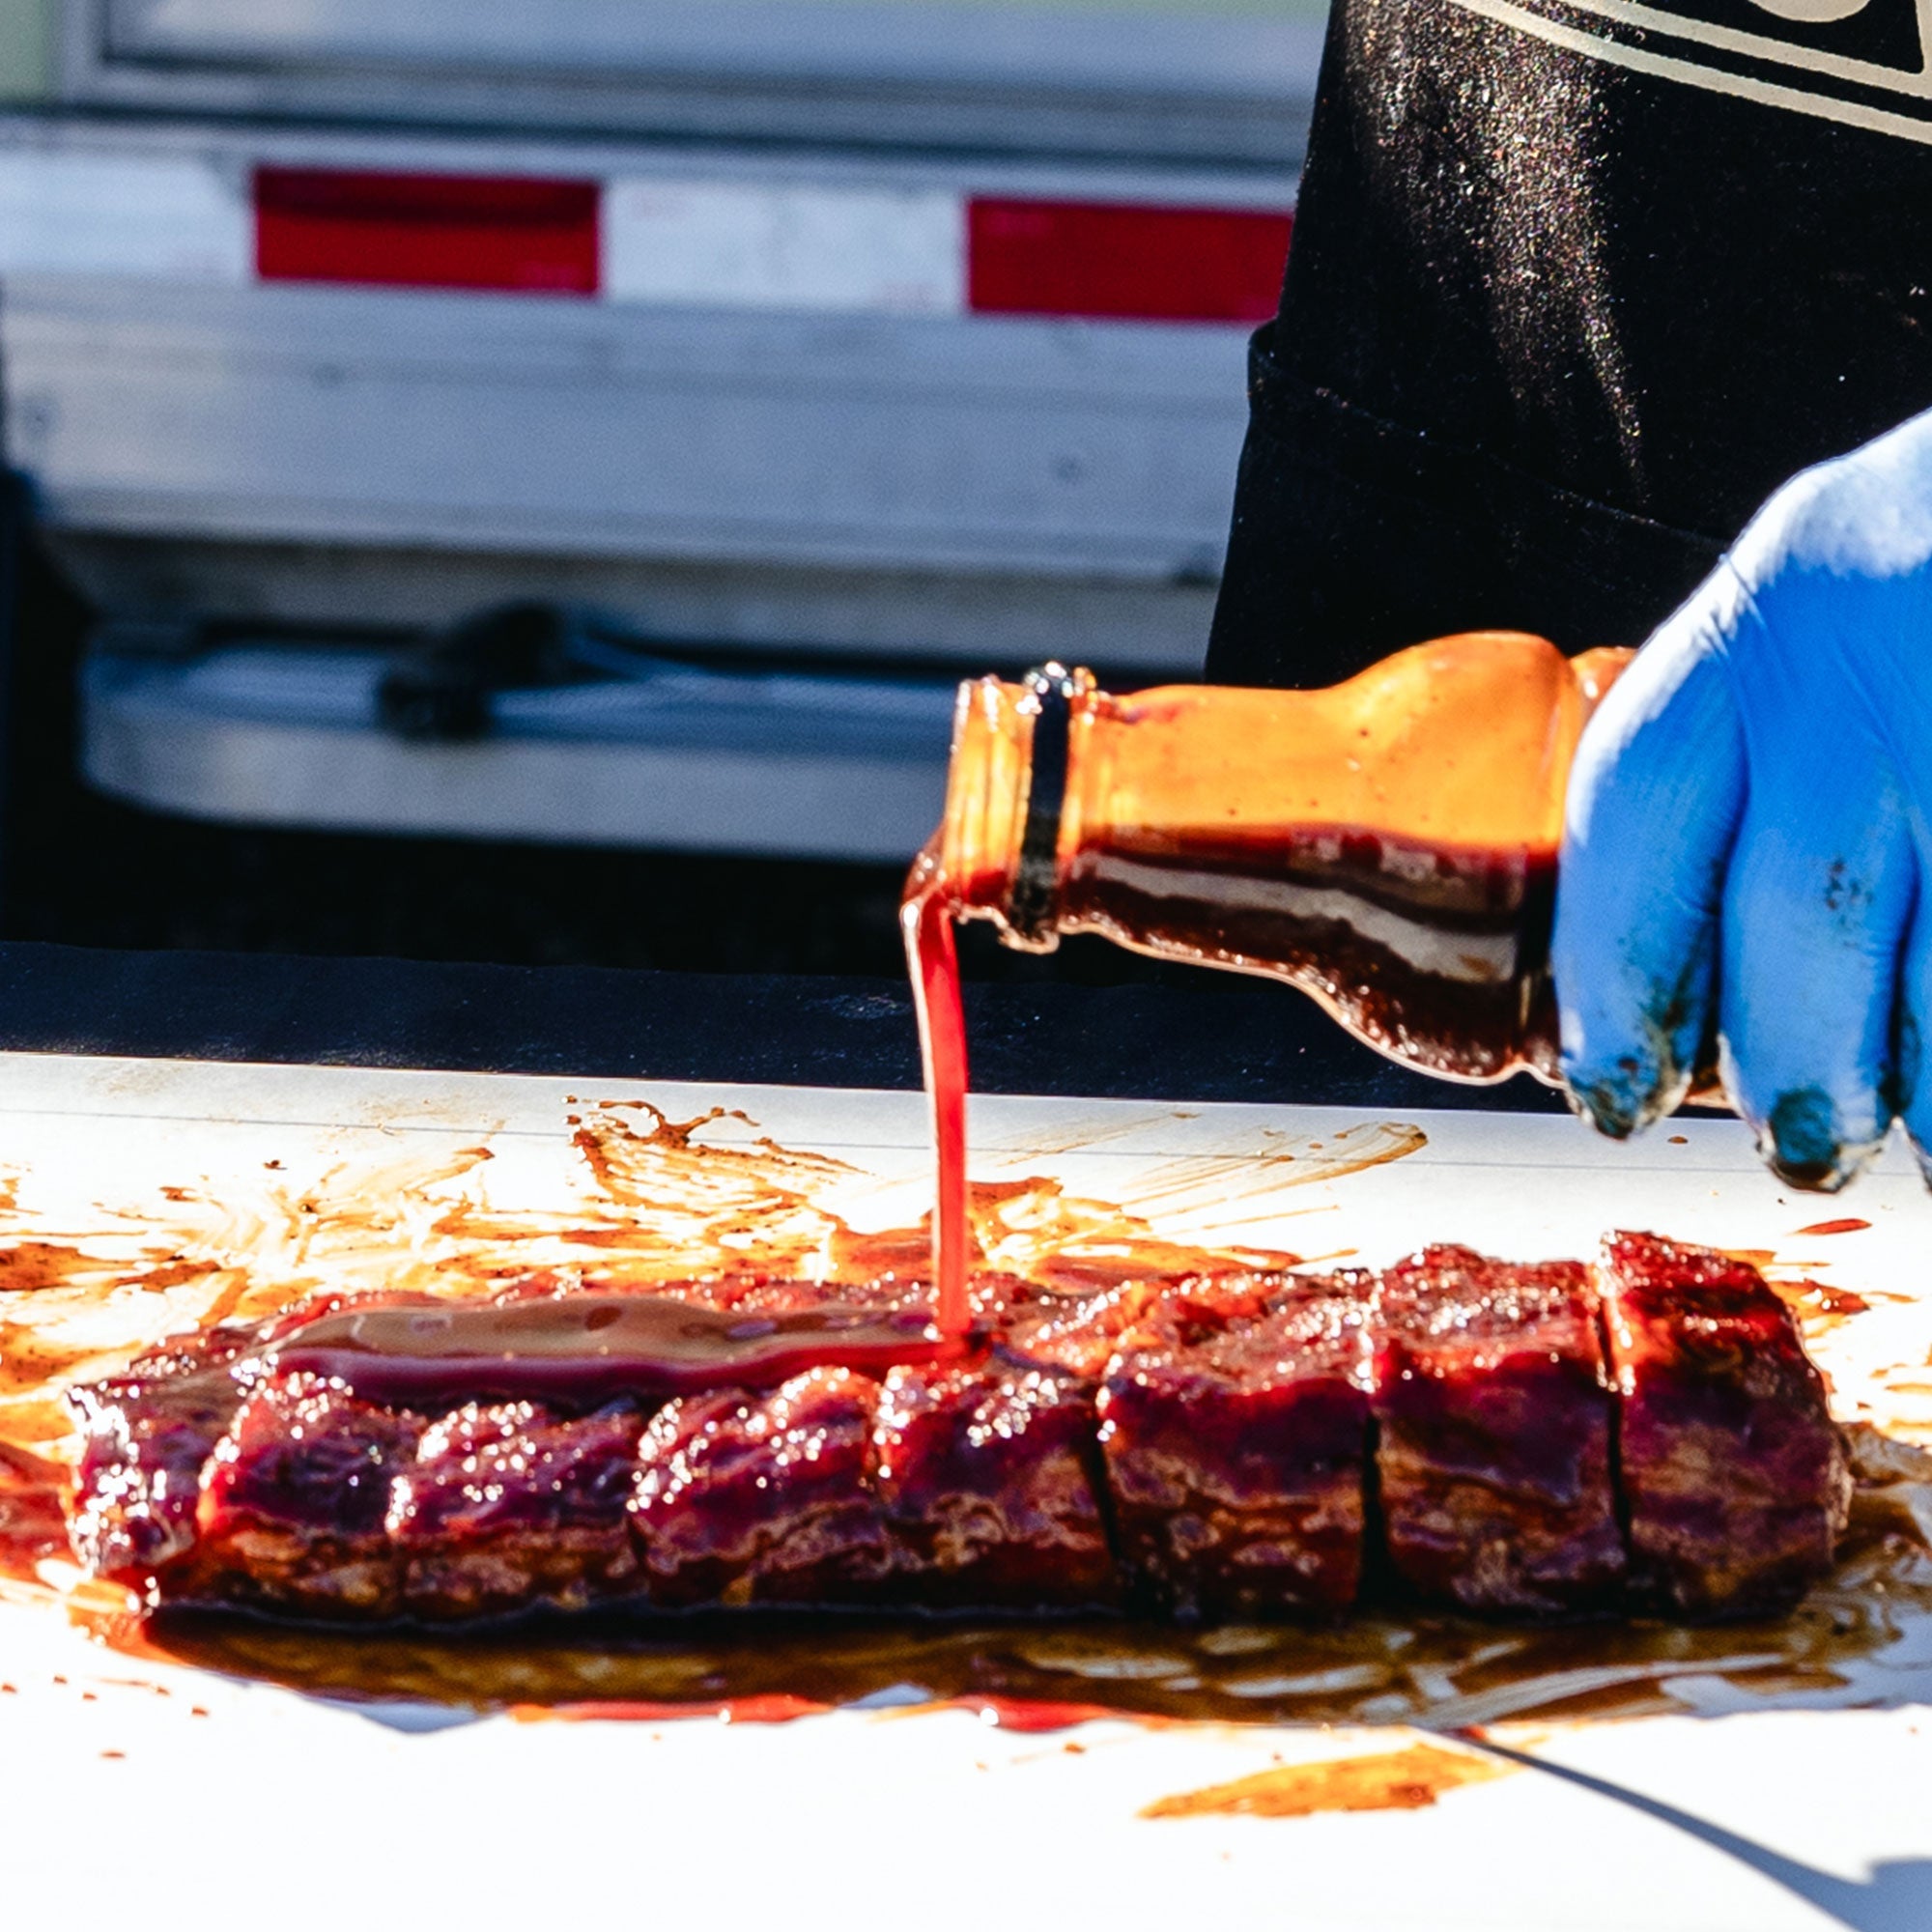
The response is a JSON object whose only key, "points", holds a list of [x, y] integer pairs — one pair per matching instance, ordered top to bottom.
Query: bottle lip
{"points": [[1031, 900]]}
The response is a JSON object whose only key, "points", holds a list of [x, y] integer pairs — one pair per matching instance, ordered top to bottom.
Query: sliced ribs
{"points": [[1494, 1422], [1235, 1423], [146, 1437], [1214, 1446], [989, 1472], [985, 1475], [1734, 1477], [745, 1498], [294, 1503], [507, 1506]]}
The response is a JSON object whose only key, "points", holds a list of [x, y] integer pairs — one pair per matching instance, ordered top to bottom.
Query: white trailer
{"points": [[841, 347]]}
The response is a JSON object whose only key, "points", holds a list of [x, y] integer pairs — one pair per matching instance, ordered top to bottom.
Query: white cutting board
{"points": [[156, 1791]]}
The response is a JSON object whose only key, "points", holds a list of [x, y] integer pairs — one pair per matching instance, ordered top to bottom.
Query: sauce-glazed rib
{"points": [[1494, 1423], [1235, 1428], [148, 1436], [1508, 1438], [987, 1478], [1735, 1479], [746, 1498], [294, 1502], [508, 1505]]}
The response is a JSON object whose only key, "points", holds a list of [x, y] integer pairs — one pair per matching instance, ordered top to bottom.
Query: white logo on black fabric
{"points": [[1861, 61]]}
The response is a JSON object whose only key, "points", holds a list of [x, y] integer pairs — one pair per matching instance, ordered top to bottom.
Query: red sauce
{"points": [[927, 923], [1848, 1225], [578, 1349], [32, 1521], [1031, 1715]]}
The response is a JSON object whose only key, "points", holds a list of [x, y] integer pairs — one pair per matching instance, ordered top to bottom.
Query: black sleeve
{"points": [[1566, 301]]}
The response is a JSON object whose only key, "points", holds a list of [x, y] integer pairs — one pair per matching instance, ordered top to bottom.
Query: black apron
{"points": [[1572, 290]]}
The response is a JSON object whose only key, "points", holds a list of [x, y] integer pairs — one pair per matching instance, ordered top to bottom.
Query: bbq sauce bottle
{"points": [[1388, 845]]}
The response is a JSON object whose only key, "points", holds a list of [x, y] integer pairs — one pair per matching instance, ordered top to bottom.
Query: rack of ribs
{"points": [[1640, 1434]]}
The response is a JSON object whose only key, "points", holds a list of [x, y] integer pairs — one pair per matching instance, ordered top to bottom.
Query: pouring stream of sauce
{"points": [[926, 922]]}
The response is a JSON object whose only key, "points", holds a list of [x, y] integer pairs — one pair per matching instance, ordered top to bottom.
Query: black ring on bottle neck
{"points": [[1037, 878]]}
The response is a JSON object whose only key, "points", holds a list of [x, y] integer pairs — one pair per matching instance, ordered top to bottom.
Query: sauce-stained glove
{"points": [[1747, 831]]}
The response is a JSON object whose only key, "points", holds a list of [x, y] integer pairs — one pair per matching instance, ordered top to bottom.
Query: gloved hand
{"points": [[1749, 831]]}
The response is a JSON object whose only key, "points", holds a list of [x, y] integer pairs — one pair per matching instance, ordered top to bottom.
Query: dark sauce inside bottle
{"points": [[1437, 955]]}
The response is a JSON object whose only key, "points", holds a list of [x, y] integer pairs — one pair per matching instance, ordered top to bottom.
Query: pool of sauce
{"points": [[580, 1349], [1444, 1673]]}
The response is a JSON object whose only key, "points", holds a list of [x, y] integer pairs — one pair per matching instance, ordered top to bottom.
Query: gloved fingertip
{"points": [[1618, 1099], [1803, 1141]]}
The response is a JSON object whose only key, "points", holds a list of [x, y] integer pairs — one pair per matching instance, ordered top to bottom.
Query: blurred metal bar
{"points": [[1181, 80], [783, 765]]}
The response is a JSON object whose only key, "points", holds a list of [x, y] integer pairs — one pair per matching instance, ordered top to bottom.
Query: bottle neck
{"points": [[1006, 801]]}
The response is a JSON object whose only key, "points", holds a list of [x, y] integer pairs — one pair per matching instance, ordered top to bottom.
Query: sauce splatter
{"points": [[1848, 1225], [30, 1266], [1829, 1300], [1818, 1305], [29, 1362], [1030, 1715], [1403, 1780]]}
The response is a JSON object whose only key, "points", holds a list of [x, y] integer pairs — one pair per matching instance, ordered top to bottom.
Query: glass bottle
{"points": [[1388, 845]]}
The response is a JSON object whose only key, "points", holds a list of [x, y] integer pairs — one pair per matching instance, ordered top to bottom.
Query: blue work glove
{"points": [[1748, 829]]}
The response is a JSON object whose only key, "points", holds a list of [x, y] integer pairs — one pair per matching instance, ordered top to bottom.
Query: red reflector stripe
{"points": [[426, 231], [1152, 264]]}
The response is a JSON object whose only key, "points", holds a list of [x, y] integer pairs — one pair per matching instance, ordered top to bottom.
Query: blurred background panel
{"points": [[1201, 79], [523, 480]]}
